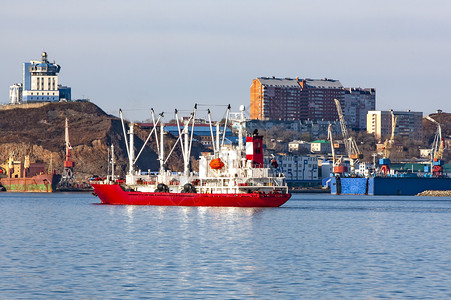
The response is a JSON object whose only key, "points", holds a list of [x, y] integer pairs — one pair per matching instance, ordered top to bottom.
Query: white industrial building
{"points": [[40, 83], [298, 168]]}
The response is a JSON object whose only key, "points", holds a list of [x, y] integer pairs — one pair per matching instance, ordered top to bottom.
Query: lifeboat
{"points": [[216, 164]]}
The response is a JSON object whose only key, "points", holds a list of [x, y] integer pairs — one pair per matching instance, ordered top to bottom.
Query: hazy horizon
{"points": [[138, 55]]}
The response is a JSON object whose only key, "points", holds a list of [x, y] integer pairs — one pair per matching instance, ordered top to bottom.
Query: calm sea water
{"points": [[316, 246]]}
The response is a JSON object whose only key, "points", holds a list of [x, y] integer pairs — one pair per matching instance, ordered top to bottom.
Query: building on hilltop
{"points": [[40, 83], [309, 99], [409, 124]]}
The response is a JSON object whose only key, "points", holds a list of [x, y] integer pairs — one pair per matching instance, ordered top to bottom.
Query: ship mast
{"points": [[241, 121], [185, 140], [129, 147], [161, 148], [131, 157], [112, 162]]}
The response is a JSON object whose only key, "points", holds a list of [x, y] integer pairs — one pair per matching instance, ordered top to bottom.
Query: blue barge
{"points": [[387, 185]]}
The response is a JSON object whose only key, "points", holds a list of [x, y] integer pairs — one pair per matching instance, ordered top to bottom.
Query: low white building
{"points": [[298, 146], [320, 146], [425, 153], [365, 169]]}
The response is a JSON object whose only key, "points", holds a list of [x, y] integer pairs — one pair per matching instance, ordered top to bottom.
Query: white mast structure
{"points": [[241, 120], [187, 142], [130, 146], [130, 149], [131, 157], [112, 162]]}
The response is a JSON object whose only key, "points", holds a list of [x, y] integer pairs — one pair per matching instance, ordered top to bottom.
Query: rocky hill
{"points": [[429, 128], [38, 131]]}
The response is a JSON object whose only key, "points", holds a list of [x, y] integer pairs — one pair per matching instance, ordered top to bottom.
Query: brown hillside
{"points": [[429, 128], [39, 132]]}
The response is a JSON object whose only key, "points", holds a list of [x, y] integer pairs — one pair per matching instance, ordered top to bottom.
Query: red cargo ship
{"points": [[233, 176], [114, 194]]}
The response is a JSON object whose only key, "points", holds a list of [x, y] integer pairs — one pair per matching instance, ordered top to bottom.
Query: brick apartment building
{"points": [[276, 99], [309, 99]]}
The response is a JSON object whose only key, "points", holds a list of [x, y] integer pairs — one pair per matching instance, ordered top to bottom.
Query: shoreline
{"points": [[435, 193]]}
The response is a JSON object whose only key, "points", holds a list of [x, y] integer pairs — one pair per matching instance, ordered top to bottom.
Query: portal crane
{"points": [[388, 145], [351, 146], [438, 146], [338, 167], [67, 178]]}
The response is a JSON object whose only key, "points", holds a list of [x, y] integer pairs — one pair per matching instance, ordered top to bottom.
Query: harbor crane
{"points": [[388, 145], [351, 146], [438, 147], [338, 167], [67, 178]]}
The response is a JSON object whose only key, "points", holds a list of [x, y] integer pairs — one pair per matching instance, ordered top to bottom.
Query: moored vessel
{"points": [[232, 175], [23, 176], [407, 186]]}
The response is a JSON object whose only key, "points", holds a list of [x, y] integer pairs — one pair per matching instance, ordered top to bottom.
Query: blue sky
{"points": [[138, 54]]}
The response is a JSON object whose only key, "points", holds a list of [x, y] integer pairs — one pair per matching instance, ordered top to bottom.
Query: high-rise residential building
{"points": [[40, 83], [317, 98], [275, 99], [309, 99], [357, 102], [408, 124]]}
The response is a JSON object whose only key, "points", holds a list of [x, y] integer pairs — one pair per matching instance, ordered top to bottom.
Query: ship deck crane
{"points": [[388, 145], [351, 146], [438, 147]]}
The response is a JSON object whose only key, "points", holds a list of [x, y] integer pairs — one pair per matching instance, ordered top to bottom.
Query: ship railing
{"points": [[241, 183]]}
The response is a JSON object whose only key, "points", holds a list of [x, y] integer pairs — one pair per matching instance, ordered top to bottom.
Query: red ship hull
{"points": [[114, 194]]}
